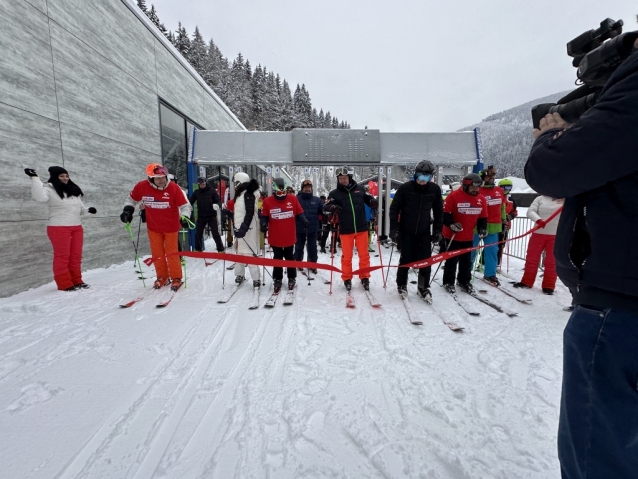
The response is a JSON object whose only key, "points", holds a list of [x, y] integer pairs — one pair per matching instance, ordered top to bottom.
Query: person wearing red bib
{"points": [[167, 208], [463, 210], [278, 221]]}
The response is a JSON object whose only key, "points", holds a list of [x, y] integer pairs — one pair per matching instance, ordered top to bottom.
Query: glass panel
{"points": [[174, 144]]}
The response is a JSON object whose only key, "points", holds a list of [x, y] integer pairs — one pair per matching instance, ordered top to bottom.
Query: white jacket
{"points": [[541, 209], [62, 212], [249, 244]]}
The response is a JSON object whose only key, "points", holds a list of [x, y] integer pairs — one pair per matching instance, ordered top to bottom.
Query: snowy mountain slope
{"points": [[507, 136], [201, 389]]}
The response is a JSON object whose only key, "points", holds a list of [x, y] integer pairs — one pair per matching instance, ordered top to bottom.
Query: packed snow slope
{"points": [[206, 390]]}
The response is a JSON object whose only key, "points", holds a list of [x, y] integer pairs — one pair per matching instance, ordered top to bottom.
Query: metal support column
{"points": [[380, 200], [386, 225]]}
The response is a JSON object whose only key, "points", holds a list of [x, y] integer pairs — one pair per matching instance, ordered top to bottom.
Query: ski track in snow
{"points": [[201, 389]]}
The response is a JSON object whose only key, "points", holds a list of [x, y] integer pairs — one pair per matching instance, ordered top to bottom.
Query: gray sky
{"points": [[405, 65]]}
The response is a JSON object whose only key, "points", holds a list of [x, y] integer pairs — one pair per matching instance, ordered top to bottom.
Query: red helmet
{"points": [[155, 170]]}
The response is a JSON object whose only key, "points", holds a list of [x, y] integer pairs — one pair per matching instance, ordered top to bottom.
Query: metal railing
{"points": [[518, 248]]}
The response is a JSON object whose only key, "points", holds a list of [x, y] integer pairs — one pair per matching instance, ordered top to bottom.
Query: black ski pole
{"points": [[389, 262], [441, 262]]}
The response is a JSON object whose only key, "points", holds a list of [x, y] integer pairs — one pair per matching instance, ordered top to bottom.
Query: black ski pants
{"points": [[200, 226], [501, 237], [312, 246], [414, 248], [283, 253], [464, 261]]}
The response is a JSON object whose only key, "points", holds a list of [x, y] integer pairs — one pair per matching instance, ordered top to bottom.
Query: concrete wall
{"points": [[79, 87]]}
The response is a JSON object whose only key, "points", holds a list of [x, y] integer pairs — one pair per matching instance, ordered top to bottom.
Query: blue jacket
{"points": [[594, 165], [312, 207]]}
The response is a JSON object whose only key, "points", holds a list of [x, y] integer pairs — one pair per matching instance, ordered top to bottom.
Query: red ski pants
{"points": [[348, 243], [538, 243], [67, 244], [162, 244]]}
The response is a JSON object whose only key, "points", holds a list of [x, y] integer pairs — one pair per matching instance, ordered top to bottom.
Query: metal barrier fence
{"points": [[518, 248]]}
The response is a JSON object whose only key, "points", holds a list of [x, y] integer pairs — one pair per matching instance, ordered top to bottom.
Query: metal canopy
{"points": [[321, 147]]}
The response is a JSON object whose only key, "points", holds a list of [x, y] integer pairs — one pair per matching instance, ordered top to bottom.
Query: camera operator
{"points": [[593, 164]]}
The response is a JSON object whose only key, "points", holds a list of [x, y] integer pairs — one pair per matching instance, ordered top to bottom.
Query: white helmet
{"points": [[240, 178]]}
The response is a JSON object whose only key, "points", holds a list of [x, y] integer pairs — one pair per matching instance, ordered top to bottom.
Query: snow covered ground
{"points": [[313, 390]]}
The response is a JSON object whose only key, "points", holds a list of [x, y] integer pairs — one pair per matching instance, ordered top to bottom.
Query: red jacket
{"points": [[495, 199], [162, 206], [461, 207], [281, 213]]}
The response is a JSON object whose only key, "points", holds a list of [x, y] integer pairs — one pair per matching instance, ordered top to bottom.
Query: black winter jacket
{"points": [[594, 165], [205, 198], [351, 200], [418, 207], [313, 208]]}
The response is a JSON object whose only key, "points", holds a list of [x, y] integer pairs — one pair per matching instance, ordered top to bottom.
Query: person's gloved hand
{"points": [[30, 172], [374, 203], [215, 206], [335, 209], [92, 210], [127, 214], [143, 215], [510, 217], [184, 222], [305, 222], [541, 223], [456, 227], [264, 228], [241, 232], [482, 233], [394, 235], [436, 237]]}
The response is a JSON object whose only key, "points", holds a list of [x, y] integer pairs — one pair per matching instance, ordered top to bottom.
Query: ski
{"points": [[211, 263], [232, 266], [305, 273], [231, 293], [514, 294], [290, 297], [272, 300], [373, 301], [132, 302], [165, 302], [350, 302], [254, 303], [494, 305], [465, 306], [414, 319], [449, 323]]}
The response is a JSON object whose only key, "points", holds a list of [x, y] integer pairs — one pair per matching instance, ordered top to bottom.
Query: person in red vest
{"points": [[167, 208], [463, 211], [278, 221]]}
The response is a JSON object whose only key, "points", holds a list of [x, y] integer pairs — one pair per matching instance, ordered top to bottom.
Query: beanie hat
{"points": [[56, 171], [69, 188]]}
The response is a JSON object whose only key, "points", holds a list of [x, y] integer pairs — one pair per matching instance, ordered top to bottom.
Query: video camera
{"points": [[596, 53]]}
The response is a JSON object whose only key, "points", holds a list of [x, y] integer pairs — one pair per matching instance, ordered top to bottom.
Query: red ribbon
{"points": [[260, 261]]}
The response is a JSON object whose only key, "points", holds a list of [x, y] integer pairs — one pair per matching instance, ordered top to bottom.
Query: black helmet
{"points": [[424, 167], [489, 171], [471, 179], [279, 186]]}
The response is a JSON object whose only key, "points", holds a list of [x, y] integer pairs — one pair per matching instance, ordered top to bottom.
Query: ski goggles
{"points": [[344, 170], [160, 171], [422, 177], [472, 182], [306, 183], [507, 188]]}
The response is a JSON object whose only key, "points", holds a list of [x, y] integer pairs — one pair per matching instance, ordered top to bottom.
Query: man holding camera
{"points": [[593, 164]]}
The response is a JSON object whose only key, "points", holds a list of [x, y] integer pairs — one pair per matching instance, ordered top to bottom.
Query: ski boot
{"points": [[323, 250], [313, 270], [239, 279], [492, 280], [160, 282], [365, 282], [256, 283], [176, 284], [291, 284], [348, 284], [520, 285], [83, 286], [277, 286], [75, 287], [450, 288], [467, 288], [402, 289], [548, 291], [425, 295]]}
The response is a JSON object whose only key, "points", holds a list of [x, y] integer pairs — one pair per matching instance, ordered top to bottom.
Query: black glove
{"points": [[30, 172], [374, 203], [334, 209], [92, 210], [127, 214], [143, 215], [509, 217], [184, 222], [305, 222], [264, 227], [456, 227], [241, 232], [482, 233], [394, 235], [436, 237]]}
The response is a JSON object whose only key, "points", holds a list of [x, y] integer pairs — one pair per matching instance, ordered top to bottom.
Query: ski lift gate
{"points": [[451, 153]]}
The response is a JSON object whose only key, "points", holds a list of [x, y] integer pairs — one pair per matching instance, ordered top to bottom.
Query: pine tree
{"points": [[142, 5], [152, 15], [182, 42], [197, 55], [328, 120], [321, 121]]}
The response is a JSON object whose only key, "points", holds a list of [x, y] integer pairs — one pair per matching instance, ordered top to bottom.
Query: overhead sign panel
{"points": [[335, 147]]}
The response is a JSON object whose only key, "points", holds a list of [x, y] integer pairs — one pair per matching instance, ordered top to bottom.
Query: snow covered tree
{"points": [[142, 5], [182, 42], [197, 54], [328, 121]]}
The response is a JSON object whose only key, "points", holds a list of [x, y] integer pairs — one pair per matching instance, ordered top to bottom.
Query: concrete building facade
{"points": [[94, 87]]}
